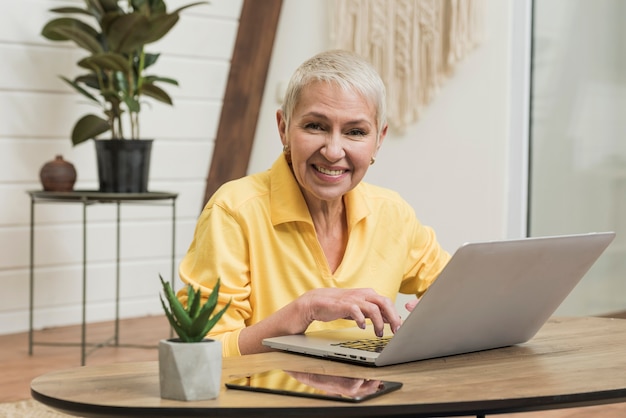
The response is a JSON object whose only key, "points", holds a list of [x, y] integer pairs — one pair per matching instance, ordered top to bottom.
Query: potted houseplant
{"points": [[115, 80], [190, 366]]}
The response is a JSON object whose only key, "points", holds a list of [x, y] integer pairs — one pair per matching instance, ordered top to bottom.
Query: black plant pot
{"points": [[123, 165]]}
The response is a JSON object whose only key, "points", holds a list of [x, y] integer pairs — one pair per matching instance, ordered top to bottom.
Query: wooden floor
{"points": [[138, 339], [18, 368]]}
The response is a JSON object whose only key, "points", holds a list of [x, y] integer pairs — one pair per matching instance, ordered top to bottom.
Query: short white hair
{"points": [[345, 69]]}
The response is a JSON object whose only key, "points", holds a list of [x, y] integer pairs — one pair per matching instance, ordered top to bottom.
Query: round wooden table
{"points": [[572, 362]]}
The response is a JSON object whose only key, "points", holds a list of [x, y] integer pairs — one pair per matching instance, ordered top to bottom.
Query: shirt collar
{"points": [[288, 205]]}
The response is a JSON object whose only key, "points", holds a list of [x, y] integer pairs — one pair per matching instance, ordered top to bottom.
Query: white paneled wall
{"points": [[37, 114]]}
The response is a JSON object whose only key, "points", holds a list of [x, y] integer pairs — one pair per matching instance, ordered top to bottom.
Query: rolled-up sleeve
{"points": [[218, 250]]}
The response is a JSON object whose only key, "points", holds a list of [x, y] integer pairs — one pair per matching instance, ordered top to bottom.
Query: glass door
{"points": [[577, 167]]}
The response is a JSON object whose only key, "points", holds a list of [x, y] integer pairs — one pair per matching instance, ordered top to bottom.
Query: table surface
{"points": [[94, 195], [571, 362]]}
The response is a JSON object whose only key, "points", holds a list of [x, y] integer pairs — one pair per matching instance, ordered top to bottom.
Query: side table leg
{"points": [[32, 276], [117, 278], [83, 339]]}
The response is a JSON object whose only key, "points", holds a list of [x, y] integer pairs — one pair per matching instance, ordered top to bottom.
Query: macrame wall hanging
{"points": [[414, 45]]}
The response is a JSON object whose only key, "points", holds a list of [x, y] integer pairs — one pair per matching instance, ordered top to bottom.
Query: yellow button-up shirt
{"points": [[257, 236]]}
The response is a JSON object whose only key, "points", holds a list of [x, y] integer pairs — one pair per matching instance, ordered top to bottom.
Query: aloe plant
{"points": [[115, 80], [191, 323]]}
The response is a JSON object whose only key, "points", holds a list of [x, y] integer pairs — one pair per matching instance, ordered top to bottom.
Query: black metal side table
{"points": [[87, 198]]}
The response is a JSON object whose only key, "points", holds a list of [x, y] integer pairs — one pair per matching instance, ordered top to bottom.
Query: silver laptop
{"points": [[489, 295]]}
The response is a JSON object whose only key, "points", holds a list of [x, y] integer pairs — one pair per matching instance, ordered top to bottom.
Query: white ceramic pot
{"points": [[190, 371]]}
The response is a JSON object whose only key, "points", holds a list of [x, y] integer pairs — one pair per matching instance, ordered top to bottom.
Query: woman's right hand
{"points": [[329, 304]]}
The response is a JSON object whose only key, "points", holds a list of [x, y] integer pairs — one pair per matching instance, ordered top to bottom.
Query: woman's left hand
{"points": [[410, 305]]}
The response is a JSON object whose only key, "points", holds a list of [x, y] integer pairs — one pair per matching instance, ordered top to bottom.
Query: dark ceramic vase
{"points": [[58, 175]]}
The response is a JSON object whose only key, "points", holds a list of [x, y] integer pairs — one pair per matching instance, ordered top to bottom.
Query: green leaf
{"points": [[190, 5], [107, 6], [142, 6], [156, 6], [95, 8], [67, 10], [159, 26], [70, 29], [127, 33], [150, 59], [105, 61], [153, 78], [90, 80], [121, 84], [81, 90], [156, 93], [132, 104], [88, 127], [191, 296], [193, 302], [211, 302], [177, 309], [214, 320], [200, 321], [192, 324], [178, 329]]}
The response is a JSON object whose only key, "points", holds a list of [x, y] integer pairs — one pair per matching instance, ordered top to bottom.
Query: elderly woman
{"points": [[307, 245]]}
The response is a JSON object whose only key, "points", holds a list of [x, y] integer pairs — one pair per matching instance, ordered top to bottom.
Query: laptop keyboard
{"points": [[375, 345]]}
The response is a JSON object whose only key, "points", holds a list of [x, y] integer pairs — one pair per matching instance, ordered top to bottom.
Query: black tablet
{"points": [[313, 385]]}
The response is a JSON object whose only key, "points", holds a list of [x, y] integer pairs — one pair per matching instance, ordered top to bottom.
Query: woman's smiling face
{"points": [[332, 140]]}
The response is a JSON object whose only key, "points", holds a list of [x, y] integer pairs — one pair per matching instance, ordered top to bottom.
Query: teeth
{"points": [[329, 172]]}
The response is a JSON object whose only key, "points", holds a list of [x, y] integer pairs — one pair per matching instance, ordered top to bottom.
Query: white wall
{"points": [[38, 111], [452, 165]]}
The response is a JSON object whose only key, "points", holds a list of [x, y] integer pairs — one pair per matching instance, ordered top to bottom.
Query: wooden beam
{"points": [[244, 92]]}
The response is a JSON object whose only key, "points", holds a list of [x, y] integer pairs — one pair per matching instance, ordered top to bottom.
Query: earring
{"points": [[287, 153], [372, 161]]}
